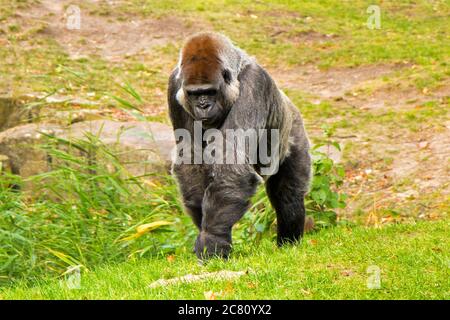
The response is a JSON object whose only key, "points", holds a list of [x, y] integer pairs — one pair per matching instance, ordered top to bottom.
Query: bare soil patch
{"points": [[106, 36], [306, 37], [332, 83], [345, 84], [390, 97], [425, 160], [419, 166]]}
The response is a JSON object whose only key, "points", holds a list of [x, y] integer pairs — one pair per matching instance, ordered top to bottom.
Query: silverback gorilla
{"points": [[220, 85]]}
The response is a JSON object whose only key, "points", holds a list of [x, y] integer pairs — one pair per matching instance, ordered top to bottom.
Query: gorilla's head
{"points": [[209, 83]]}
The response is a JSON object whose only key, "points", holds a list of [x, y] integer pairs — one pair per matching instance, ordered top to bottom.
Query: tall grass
{"points": [[89, 210], [79, 213]]}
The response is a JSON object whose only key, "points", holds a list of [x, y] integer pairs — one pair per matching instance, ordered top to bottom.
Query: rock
{"points": [[59, 99], [55, 109], [12, 113], [68, 117], [19, 145], [142, 147], [5, 164]]}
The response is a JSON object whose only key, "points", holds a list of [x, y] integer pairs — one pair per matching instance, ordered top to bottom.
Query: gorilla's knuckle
{"points": [[209, 245]]}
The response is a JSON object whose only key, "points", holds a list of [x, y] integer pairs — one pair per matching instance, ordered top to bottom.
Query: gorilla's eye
{"points": [[226, 76], [202, 92], [210, 92]]}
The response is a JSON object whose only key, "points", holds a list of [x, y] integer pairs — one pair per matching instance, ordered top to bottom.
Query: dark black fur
{"points": [[217, 196]]}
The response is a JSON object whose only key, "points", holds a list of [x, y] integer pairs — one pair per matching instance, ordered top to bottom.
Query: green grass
{"points": [[33, 56], [90, 207], [86, 211], [414, 261]]}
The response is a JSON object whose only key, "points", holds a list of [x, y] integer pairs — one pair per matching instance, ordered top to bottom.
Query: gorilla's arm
{"points": [[178, 116], [191, 178], [228, 196]]}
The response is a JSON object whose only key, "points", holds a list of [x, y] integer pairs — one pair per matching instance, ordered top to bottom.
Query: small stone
{"points": [[423, 144], [410, 194]]}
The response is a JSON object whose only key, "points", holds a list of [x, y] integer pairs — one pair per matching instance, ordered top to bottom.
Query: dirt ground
{"points": [[110, 37], [418, 158]]}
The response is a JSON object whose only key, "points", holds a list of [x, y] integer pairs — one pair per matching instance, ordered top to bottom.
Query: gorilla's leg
{"points": [[192, 181], [286, 191], [225, 202]]}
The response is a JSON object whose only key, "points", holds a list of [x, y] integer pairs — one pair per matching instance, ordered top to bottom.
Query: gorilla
{"points": [[219, 86]]}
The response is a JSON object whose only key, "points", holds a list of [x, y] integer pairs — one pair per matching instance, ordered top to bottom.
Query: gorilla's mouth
{"points": [[207, 117], [209, 122]]}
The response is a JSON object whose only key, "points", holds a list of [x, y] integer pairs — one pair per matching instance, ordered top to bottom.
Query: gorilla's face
{"points": [[208, 100], [204, 102]]}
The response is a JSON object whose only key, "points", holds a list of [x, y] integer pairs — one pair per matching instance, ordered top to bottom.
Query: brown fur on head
{"points": [[200, 61], [208, 68]]}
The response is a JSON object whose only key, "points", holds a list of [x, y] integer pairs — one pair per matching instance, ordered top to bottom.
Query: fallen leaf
{"points": [[434, 216], [387, 219], [151, 226], [145, 228], [171, 258], [347, 273], [251, 285], [305, 292], [211, 295]]}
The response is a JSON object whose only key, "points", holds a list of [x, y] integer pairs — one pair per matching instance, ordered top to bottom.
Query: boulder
{"points": [[28, 109], [12, 113], [19, 145], [142, 147], [5, 164]]}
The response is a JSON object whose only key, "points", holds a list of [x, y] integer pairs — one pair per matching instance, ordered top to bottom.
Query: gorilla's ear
{"points": [[226, 74], [231, 90]]}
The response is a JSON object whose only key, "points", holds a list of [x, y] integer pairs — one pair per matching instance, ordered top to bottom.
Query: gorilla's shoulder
{"points": [[256, 76]]}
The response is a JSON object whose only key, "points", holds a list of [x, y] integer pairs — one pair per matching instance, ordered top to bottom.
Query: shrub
{"points": [[321, 202], [79, 213]]}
